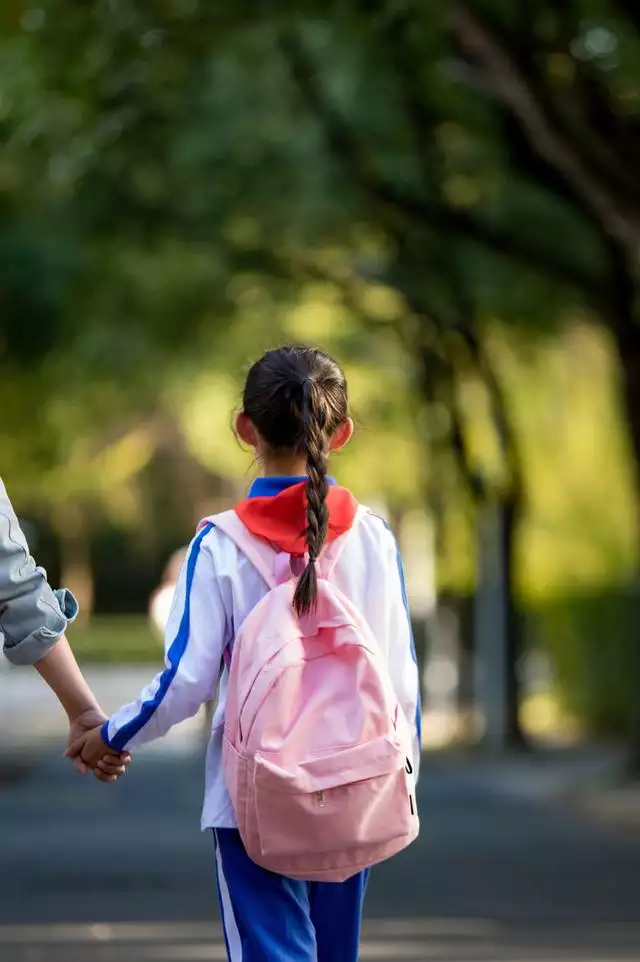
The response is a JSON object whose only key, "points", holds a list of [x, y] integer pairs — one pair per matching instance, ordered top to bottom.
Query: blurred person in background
{"points": [[295, 412], [162, 598], [160, 605], [33, 621]]}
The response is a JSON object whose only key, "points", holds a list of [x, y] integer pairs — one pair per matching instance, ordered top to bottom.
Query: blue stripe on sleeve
{"points": [[405, 601], [174, 656]]}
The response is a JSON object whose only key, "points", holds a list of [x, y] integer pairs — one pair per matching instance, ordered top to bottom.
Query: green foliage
{"points": [[184, 184], [581, 519], [117, 640], [592, 640]]}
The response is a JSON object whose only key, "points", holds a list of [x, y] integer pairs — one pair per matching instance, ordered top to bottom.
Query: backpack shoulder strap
{"points": [[331, 554], [261, 556]]}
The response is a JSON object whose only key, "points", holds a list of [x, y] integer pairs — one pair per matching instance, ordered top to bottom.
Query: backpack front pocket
{"points": [[345, 801]]}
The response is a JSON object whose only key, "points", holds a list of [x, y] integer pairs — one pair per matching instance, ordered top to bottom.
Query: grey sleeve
{"points": [[32, 615]]}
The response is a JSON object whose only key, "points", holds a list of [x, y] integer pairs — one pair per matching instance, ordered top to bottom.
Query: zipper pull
{"points": [[321, 800]]}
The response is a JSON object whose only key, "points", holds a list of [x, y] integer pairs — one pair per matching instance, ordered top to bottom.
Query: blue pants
{"points": [[269, 918]]}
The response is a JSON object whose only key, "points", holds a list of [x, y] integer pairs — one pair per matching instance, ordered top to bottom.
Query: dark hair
{"points": [[296, 398]]}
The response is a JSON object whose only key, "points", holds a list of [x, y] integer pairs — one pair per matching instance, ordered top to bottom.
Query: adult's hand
{"points": [[62, 674], [112, 766]]}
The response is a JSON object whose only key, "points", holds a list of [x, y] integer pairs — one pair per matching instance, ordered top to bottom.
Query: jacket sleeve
{"points": [[32, 615], [196, 636], [403, 662]]}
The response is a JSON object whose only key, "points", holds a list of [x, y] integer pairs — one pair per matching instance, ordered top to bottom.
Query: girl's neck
{"points": [[284, 466]]}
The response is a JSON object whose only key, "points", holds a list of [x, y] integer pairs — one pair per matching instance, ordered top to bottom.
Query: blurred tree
{"points": [[499, 114], [163, 175]]}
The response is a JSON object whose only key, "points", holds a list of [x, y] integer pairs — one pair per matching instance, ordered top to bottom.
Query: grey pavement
{"points": [[30, 715], [93, 873], [501, 873]]}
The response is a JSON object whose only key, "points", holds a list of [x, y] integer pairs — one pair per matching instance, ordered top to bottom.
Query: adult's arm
{"points": [[33, 617], [60, 670], [62, 674]]}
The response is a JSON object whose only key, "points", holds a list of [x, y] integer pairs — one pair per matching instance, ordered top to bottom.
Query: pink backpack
{"points": [[316, 747]]}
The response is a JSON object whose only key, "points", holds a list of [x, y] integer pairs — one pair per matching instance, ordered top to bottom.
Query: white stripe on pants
{"points": [[232, 936]]}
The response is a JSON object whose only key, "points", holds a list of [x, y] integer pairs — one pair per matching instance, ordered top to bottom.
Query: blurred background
{"points": [[445, 196]]}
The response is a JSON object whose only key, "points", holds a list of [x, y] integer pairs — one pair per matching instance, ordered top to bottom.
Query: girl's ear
{"points": [[246, 431], [342, 435]]}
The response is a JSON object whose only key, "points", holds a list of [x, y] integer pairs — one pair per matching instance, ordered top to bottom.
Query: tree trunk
{"points": [[622, 321], [628, 344], [510, 508], [76, 570], [498, 639], [514, 735]]}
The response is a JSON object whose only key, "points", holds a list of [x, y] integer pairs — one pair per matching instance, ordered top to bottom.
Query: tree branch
{"points": [[510, 84], [584, 113], [424, 117], [606, 142], [415, 214], [456, 317], [459, 324], [433, 369], [438, 371], [504, 426]]}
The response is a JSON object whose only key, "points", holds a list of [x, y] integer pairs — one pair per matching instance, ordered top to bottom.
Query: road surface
{"points": [[92, 873]]}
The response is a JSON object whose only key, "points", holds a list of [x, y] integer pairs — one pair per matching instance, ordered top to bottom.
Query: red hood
{"points": [[281, 520]]}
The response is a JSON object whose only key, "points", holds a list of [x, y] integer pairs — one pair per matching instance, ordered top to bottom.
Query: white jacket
{"points": [[217, 589]]}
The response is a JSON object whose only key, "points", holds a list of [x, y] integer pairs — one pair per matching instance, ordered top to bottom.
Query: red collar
{"points": [[281, 519]]}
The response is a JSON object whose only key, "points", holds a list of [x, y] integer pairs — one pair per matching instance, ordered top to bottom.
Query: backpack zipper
{"points": [[321, 800]]}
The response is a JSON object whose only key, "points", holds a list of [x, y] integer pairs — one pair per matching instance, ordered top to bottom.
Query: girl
{"points": [[295, 412]]}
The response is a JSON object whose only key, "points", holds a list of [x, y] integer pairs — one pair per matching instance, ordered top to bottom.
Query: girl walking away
{"points": [[298, 597]]}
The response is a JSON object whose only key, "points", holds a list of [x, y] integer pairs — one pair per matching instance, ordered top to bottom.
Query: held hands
{"points": [[88, 752]]}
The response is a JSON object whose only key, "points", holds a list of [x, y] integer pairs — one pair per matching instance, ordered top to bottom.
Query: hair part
{"points": [[296, 398]]}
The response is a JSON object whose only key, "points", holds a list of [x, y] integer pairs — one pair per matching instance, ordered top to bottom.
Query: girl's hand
{"points": [[106, 764], [111, 766]]}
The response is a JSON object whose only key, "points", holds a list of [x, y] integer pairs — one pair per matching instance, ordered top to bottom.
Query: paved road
{"points": [[92, 873]]}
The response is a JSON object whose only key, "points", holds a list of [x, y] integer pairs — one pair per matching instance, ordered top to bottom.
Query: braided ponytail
{"points": [[296, 398], [315, 418]]}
